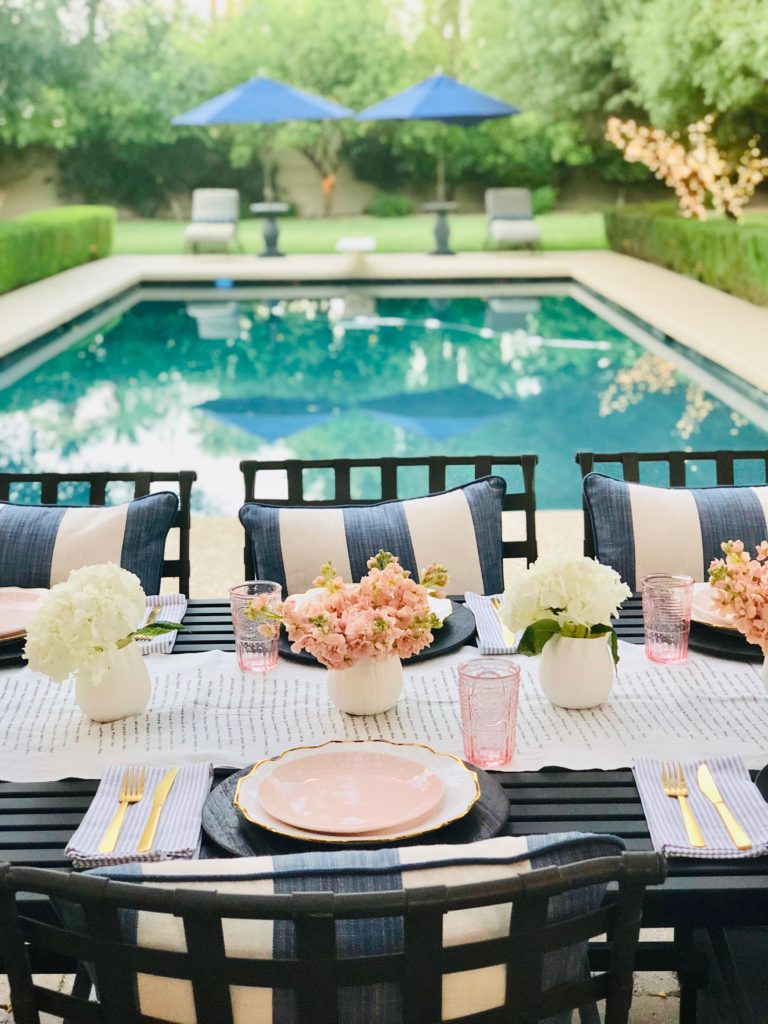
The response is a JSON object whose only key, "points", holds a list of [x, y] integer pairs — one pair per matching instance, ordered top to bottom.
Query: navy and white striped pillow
{"points": [[460, 529], [640, 530], [40, 544], [463, 992]]}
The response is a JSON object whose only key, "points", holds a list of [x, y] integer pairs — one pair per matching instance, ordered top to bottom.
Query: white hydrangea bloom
{"points": [[567, 588], [80, 622]]}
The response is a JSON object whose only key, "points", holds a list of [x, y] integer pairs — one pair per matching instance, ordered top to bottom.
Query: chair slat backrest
{"points": [[509, 202], [215, 205], [679, 465], [98, 487], [391, 487], [317, 971]]}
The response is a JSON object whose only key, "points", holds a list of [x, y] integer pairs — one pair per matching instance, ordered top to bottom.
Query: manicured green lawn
{"points": [[396, 234]]}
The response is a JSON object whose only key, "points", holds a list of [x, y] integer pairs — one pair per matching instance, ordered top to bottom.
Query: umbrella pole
{"points": [[441, 165], [268, 168]]}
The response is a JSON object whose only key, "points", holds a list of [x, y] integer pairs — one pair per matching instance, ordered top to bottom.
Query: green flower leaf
{"points": [[158, 628], [539, 633], [536, 636]]}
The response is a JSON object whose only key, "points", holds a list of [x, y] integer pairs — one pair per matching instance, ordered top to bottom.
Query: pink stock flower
{"points": [[741, 588], [386, 614]]}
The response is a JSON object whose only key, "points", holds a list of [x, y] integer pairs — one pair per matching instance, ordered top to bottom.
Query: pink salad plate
{"points": [[17, 609], [705, 611], [349, 791], [461, 791]]}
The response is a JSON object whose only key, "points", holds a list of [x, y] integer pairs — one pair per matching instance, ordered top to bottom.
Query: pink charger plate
{"points": [[17, 609], [344, 792]]}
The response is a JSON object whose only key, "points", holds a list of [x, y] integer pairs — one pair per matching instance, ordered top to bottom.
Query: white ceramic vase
{"points": [[577, 673], [765, 673], [367, 688], [125, 689]]}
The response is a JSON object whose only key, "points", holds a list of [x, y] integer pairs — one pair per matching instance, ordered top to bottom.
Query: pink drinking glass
{"points": [[667, 599], [256, 635], [489, 689]]}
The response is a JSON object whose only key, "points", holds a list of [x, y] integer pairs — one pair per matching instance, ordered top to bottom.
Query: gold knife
{"points": [[508, 636], [708, 787], [160, 795]]}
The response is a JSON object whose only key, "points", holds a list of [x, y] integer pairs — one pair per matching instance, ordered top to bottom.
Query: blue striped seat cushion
{"points": [[460, 529], [640, 530], [40, 544], [455, 866]]}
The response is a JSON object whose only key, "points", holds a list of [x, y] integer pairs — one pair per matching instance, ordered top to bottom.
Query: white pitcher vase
{"points": [[577, 673], [368, 687], [124, 690]]}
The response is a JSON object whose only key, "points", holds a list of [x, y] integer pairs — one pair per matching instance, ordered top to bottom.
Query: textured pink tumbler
{"points": [[667, 600], [256, 629], [488, 691]]}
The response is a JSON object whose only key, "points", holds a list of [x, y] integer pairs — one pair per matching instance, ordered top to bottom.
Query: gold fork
{"points": [[509, 637], [674, 785], [131, 791]]}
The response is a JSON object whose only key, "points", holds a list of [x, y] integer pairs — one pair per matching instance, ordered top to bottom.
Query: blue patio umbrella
{"points": [[439, 98], [263, 100], [440, 415], [268, 418]]}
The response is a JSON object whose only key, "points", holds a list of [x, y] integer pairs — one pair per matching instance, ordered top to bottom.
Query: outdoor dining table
{"points": [[37, 819]]}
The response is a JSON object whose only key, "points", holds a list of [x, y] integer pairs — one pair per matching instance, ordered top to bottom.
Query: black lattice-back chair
{"points": [[672, 469], [437, 472], [51, 489], [317, 970]]}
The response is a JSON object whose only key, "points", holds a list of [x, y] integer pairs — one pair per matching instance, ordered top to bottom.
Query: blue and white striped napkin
{"points": [[173, 608], [490, 636], [665, 822], [178, 830]]}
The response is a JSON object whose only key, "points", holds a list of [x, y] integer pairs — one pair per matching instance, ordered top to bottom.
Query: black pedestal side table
{"points": [[270, 212], [442, 229]]}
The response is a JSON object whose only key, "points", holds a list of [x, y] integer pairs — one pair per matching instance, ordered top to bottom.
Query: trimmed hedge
{"points": [[389, 204], [40, 244], [721, 253]]}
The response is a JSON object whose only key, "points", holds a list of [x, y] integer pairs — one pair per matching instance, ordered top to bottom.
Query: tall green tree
{"points": [[685, 59]]}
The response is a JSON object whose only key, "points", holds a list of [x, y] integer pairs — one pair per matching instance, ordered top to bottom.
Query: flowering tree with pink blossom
{"points": [[696, 168]]}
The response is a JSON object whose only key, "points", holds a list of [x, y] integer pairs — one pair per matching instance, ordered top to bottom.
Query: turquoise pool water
{"points": [[203, 378]]}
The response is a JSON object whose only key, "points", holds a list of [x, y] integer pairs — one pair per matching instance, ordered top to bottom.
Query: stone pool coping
{"points": [[725, 329]]}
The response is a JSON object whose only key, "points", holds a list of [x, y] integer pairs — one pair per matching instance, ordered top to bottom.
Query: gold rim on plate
{"points": [[10, 637], [347, 839]]}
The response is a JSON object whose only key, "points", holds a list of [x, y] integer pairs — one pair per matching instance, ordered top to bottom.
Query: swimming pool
{"points": [[178, 377]]}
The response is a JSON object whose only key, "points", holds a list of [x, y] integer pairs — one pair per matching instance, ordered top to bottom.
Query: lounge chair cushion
{"points": [[204, 231], [514, 231], [460, 529], [640, 529], [40, 544], [454, 866]]}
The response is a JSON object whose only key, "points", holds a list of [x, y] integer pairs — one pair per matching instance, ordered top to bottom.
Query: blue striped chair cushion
{"points": [[460, 529], [639, 529], [40, 544], [464, 993]]}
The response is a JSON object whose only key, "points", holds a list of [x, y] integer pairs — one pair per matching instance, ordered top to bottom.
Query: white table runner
{"points": [[204, 708]]}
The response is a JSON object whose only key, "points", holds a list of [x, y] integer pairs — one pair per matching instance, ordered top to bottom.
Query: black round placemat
{"points": [[456, 631], [721, 644], [11, 653], [228, 829]]}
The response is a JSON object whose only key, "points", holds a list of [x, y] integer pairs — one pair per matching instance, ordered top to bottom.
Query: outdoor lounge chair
{"points": [[215, 213], [510, 217]]}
